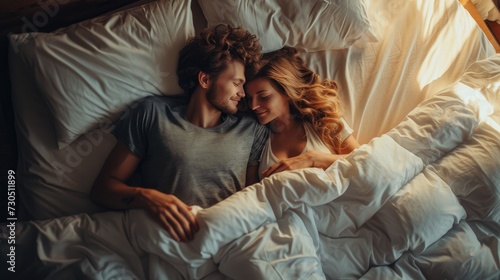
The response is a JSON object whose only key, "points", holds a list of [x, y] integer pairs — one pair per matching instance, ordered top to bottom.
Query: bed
{"points": [[420, 199]]}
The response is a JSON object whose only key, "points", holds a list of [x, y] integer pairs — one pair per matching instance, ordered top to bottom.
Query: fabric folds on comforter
{"points": [[415, 203]]}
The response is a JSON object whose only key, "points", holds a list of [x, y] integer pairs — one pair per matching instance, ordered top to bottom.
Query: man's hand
{"points": [[171, 212]]}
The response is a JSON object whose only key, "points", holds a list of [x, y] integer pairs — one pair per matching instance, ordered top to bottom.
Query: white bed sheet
{"points": [[423, 46], [366, 215]]}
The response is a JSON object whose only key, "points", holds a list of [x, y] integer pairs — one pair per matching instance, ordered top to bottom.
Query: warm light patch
{"points": [[447, 44], [491, 122]]}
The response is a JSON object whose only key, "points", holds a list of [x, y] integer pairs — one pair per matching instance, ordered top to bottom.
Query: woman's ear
{"points": [[204, 80]]}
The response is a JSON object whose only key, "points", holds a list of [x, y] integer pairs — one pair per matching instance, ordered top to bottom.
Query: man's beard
{"points": [[221, 105]]}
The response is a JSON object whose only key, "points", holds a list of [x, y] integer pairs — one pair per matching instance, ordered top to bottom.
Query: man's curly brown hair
{"points": [[212, 51]]}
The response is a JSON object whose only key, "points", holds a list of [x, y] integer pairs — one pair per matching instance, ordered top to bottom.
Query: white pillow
{"points": [[487, 10], [312, 25], [89, 72]]}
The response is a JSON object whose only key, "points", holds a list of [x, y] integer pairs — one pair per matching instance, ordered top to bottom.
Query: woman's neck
{"points": [[285, 125], [288, 138]]}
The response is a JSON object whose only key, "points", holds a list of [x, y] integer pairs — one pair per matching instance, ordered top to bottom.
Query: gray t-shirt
{"points": [[201, 166]]}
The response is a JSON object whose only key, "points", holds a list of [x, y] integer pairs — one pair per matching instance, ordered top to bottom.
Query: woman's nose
{"points": [[254, 105]]}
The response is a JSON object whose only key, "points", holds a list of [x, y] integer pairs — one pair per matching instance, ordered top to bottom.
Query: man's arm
{"points": [[260, 138], [252, 175], [111, 191]]}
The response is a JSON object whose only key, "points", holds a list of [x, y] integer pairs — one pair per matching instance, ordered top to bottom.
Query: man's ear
{"points": [[204, 80]]}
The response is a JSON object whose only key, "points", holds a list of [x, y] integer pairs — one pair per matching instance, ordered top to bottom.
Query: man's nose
{"points": [[241, 92]]}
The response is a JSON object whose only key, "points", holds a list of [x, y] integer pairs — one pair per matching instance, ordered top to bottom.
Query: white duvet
{"points": [[419, 202]]}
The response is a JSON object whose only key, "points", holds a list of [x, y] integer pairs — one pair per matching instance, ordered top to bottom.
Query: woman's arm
{"points": [[349, 144], [313, 158]]}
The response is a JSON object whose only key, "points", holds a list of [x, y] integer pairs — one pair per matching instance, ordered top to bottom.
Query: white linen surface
{"points": [[487, 10], [309, 25], [423, 46], [89, 72], [70, 85], [389, 202], [395, 209]]}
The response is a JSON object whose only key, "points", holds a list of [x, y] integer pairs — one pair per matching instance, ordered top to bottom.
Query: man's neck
{"points": [[201, 113]]}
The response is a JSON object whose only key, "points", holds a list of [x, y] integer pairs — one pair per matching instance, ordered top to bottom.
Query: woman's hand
{"points": [[304, 160], [171, 212]]}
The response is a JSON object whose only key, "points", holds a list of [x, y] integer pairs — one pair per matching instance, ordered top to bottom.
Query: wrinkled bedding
{"points": [[421, 201]]}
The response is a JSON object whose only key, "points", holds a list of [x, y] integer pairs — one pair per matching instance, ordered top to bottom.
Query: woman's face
{"points": [[265, 101]]}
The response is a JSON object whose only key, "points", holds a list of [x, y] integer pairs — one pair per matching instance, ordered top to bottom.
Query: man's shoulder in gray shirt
{"points": [[199, 165]]}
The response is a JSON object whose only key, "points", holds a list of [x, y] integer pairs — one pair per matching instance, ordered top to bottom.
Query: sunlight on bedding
{"points": [[446, 45], [474, 100], [491, 122], [419, 200]]}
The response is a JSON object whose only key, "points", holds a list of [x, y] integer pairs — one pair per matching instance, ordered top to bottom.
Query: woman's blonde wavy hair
{"points": [[311, 99]]}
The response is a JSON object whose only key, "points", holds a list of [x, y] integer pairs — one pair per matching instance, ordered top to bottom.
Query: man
{"points": [[188, 151]]}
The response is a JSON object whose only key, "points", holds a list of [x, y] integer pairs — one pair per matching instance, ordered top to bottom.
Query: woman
{"points": [[303, 113]]}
